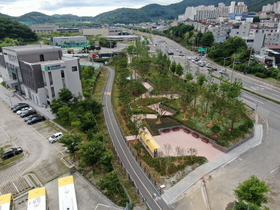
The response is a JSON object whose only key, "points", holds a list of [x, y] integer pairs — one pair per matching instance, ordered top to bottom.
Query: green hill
{"points": [[148, 13], [13, 29]]}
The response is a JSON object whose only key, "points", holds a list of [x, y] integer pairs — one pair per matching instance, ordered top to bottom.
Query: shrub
{"points": [[261, 75]]}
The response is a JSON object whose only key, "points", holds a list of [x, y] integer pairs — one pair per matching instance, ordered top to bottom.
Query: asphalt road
{"points": [[253, 84], [142, 183]]}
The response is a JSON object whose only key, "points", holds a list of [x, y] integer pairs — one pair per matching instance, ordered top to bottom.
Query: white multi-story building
{"points": [[272, 7], [240, 8], [211, 12], [39, 72]]}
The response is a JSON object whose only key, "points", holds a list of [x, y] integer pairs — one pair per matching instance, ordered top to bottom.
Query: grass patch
{"points": [[100, 83], [4, 84], [165, 122], [12, 159], [167, 165], [32, 180]]}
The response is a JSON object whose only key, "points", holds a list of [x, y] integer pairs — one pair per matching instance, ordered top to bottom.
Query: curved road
{"points": [[146, 189]]}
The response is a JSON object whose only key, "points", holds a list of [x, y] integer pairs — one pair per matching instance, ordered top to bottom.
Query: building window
{"points": [[42, 57], [74, 68], [62, 74], [50, 78], [52, 92]]}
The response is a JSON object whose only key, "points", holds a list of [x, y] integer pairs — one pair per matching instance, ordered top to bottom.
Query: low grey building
{"points": [[39, 72]]}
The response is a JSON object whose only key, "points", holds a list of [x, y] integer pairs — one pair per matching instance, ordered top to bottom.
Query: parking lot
{"points": [[41, 160]]}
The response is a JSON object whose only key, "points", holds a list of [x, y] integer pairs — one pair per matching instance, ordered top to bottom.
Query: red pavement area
{"points": [[186, 141]]}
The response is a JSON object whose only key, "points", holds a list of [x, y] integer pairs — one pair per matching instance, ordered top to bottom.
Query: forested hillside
{"points": [[148, 13], [15, 30]]}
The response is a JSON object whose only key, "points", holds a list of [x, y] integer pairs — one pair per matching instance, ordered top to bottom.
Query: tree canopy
{"points": [[13, 29], [252, 191]]}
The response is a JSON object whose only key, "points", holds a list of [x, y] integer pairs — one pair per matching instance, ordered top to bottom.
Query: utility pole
{"points": [[250, 57], [232, 70]]}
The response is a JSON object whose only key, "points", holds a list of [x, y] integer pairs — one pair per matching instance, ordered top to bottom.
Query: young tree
{"points": [[207, 39], [173, 67], [179, 69], [65, 96], [65, 114], [88, 122], [71, 142], [91, 152], [110, 183], [252, 191]]}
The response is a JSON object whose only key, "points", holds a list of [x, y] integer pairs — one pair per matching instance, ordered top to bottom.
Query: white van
{"points": [[55, 137]]}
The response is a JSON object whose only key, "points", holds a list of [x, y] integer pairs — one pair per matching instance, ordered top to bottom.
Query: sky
{"points": [[75, 7]]}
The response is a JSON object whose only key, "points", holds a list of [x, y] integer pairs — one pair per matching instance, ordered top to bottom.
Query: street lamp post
{"points": [[250, 57], [232, 70]]}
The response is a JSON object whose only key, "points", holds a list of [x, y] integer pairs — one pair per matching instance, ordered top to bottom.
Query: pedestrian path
{"points": [[11, 98], [175, 193]]}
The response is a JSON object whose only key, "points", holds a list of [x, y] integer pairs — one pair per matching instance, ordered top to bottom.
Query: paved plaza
{"points": [[186, 141]]}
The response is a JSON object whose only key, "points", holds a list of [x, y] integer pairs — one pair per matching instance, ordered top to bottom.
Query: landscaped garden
{"points": [[211, 109]]}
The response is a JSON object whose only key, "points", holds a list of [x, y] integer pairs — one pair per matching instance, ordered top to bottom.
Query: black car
{"points": [[18, 104], [19, 107], [27, 113], [30, 117], [36, 119], [11, 152]]}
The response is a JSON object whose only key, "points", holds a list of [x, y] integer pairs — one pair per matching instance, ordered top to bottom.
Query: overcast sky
{"points": [[81, 8]]}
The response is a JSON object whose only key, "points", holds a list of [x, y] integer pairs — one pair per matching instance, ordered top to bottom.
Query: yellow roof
{"points": [[149, 141], [65, 181], [36, 193], [6, 198]]}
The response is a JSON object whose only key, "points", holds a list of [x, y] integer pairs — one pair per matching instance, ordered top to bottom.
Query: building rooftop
{"points": [[30, 47], [276, 47], [149, 141]]}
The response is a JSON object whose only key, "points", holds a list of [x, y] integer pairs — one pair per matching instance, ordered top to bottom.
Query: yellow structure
{"points": [[149, 143], [6, 202]]}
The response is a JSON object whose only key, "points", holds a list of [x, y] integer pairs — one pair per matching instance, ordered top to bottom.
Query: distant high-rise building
{"points": [[272, 7], [211, 12]]}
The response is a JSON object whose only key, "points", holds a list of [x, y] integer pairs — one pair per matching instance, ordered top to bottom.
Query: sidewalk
{"points": [[12, 98], [173, 194]]}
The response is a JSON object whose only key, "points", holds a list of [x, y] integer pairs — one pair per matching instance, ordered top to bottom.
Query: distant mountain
{"points": [[153, 12], [148, 13]]}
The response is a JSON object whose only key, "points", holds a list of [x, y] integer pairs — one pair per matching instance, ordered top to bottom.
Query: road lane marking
{"points": [[252, 99], [10, 137], [274, 170], [16, 187]]}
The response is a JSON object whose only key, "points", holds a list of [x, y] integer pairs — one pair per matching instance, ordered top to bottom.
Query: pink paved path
{"points": [[186, 141]]}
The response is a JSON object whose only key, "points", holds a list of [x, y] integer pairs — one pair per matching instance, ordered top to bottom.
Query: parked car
{"points": [[181, 54], [214, 69], [222, 71], [18, 104], [19, 107], [23, 109], [27, 113], [30, 117], [36, 119], [55, 137], [11, 152]]}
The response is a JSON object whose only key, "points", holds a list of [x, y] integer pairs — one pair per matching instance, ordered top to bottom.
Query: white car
{"points": [[222, 71], [23, 109], [55, 137]]}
